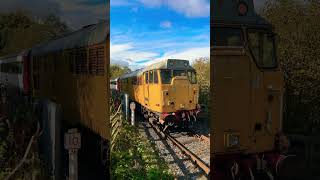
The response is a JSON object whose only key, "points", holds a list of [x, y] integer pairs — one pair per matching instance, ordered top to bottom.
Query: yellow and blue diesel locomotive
{"points": [[70, 71], [166, 91], [247, 93]]}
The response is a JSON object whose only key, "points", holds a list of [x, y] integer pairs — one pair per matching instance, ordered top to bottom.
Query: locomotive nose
{"points": [[180, 88]]}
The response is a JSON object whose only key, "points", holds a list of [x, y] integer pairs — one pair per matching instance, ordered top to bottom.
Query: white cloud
{"points": [[120, 3], [152, 3], [190, 8], [165, 24], [116, 48], [127, 52], [188, 54], [128, 55], [119, 62]]}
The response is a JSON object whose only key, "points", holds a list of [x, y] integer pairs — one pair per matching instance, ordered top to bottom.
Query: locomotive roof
{"points": [[228, 12], [88, 35], [178, 64], [131, 74]]}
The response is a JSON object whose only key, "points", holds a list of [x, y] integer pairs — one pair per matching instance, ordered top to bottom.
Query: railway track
{"points": [[201, 136], [184, 144]]}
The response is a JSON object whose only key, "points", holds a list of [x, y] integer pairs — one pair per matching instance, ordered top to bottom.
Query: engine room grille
{"points": [[81, 61], [87, 61], [93, 61], [96, 61], [100, 68]]}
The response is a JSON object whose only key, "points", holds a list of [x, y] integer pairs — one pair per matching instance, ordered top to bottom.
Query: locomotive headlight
{"points": [[232, 140]]}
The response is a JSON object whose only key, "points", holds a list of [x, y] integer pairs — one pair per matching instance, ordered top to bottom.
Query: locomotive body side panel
{"points": [[76, 78], [232, 87], [81, 90]]}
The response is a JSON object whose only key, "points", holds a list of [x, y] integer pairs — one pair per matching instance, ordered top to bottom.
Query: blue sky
{"points": [[147, 31]]}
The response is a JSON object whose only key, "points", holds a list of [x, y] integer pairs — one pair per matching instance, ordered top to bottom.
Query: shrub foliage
{"points": [[297, 24]]}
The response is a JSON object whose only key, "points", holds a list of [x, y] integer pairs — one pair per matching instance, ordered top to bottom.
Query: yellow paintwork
{"points": [[240, 93], [153, 96], [83, 97]]}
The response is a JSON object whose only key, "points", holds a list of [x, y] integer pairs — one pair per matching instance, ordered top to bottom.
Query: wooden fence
{"points": [[116, 123]]}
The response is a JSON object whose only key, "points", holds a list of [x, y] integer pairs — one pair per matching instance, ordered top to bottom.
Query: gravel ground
{"points": [[199, 147], [179, 164]]}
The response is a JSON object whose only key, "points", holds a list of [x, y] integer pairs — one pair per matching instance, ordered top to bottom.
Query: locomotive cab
{"points": [[176, 85], [247, 88], [179, 93]]}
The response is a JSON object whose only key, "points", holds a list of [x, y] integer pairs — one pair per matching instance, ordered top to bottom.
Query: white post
{"points": [[126, 97], [132, 107], [72, 142], [73, 164]]}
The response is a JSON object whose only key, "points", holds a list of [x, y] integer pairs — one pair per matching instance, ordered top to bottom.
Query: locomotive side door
{"points": [[146, 88], [230, 91]]}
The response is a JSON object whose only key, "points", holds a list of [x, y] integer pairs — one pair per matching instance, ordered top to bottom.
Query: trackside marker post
{"points": [[126, 99], [132, 107], [72, 142]]}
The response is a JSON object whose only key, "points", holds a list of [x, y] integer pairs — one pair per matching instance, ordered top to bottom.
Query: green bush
{"points": [[297, 24], [202, 67], [133, 158]]}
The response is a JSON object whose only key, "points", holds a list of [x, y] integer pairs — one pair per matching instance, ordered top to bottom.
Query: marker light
{"points": [[242, 8], [232, 140]]}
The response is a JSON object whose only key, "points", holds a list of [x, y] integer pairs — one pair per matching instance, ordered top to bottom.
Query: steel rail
{"points": [[185, 150]]}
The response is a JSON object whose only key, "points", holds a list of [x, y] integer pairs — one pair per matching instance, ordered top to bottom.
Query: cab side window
{"points": [[155, 76], [146, 77], [151, 77]]}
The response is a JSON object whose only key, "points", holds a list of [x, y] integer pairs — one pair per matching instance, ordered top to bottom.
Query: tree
{"points": [[10, 22], [297, 24], [58, 27], [19, 31], [202, 67], [116, 71]]}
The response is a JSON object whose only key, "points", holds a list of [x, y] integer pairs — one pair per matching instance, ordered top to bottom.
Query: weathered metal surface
{"points": [[227, 11], [87, 36], [165, 64]]}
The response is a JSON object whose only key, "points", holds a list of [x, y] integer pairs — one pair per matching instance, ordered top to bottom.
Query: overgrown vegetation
{"points": [[297, 24], [20, 30], [202, 67], [116, 71], [16, 131], [133, 157]]}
